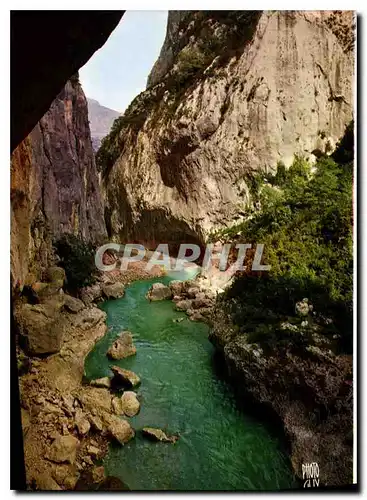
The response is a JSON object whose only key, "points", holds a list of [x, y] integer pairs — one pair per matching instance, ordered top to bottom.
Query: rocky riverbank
{"points": [[67, 424]]}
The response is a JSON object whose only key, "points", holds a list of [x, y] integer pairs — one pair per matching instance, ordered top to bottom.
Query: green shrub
{"points": [[305, 224], [77, 258]]}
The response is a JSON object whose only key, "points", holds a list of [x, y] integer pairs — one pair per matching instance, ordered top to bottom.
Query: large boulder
{"points": [[113, 290], [159, 291], [73, 304], [41, 326], [123, 346], [124, 378], [96, 400], [128, 404], [96, 422], [120, 429], [158, 435], [63, 449], [44, 482]]}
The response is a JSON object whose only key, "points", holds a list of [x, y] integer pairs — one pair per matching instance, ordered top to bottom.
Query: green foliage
{"points": [[344, 152], [305, 224], [77, 258]]}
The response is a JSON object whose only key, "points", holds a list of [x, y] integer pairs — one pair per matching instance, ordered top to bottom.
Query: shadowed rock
{"points": [[124, 378]]}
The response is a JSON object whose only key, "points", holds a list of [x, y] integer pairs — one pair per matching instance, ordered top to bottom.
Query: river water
{"points": [[220, 447]]}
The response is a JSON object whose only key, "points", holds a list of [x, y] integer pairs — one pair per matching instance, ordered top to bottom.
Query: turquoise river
{"points": [[220, 446]]}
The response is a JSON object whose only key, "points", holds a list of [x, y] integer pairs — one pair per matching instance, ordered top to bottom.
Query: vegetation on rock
{"points": [[305, 223], [77, 258]]}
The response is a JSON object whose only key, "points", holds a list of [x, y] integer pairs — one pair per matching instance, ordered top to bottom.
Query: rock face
{"points": [[51, 44], [212, 116], [101, 120], [54, 185], [73, 304], [309, 390], [130, 403]]}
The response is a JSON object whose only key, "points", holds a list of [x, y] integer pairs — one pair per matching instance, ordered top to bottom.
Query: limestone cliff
{"points": [[231, 93], [54, 185]]}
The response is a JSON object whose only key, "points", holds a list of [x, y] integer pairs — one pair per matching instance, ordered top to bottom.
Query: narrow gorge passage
{"points": [[219, 447]]}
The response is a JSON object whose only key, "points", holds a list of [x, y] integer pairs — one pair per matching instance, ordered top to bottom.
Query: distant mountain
{"points": [[101, 120]]}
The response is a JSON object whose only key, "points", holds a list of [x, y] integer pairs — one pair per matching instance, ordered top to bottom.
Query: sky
{"points": [[118, 71]]}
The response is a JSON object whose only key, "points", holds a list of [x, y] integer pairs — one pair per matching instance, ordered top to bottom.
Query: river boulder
{"points": [[46, 291], [159, 291], [192, 292], [199, 303], [122, 347], [124, 378], [130, 403], [120, 429], [158, 435]]}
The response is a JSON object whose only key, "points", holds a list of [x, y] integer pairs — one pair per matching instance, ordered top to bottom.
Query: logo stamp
{"points": [[311, 475]]}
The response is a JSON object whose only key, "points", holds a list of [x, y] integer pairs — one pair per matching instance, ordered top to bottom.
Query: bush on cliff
{"points": [[306, 225], [77, 258]]}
